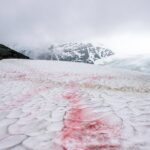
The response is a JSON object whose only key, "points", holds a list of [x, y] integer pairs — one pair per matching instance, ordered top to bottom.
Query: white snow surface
{"points": [[139, 63], [49, 105]]}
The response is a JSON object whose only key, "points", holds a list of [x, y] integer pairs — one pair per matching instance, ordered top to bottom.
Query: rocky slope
{"points": [[6, 52], [76, 52]]}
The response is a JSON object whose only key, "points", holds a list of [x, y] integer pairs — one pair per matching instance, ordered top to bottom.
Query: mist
{"points": [[121, 25]]}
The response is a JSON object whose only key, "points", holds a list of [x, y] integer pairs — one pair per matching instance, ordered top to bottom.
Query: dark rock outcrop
{"points": [[6, 52]]}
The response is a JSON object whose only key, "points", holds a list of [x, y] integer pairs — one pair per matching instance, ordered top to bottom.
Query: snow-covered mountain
{"points": [[76, 52], [137, 62]]}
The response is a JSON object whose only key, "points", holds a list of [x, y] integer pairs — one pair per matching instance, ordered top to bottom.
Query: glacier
{"points": [[140, 63], [52, 105]]}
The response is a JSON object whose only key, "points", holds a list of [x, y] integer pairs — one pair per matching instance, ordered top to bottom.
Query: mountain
{"points": [[6, 52], [76, 52], [139, 63]]}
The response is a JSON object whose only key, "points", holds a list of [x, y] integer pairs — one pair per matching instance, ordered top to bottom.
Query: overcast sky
{"points": [[122, 25]]}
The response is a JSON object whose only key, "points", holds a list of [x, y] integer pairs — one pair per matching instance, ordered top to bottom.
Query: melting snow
{"points": [[48, 105]]}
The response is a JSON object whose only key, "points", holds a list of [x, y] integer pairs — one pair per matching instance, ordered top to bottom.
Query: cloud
{"points": [[32, 23]]}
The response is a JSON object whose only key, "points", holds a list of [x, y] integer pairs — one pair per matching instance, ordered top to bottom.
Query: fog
{"points": [[122, 25]]}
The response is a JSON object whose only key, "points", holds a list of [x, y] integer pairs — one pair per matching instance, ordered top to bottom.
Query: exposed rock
{"points": [[6, 52], [75, 52]]}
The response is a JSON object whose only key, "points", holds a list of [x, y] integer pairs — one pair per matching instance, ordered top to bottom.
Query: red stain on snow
{"points": [[98, 77], [71, 96], [24, 98], [83, 131]]}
